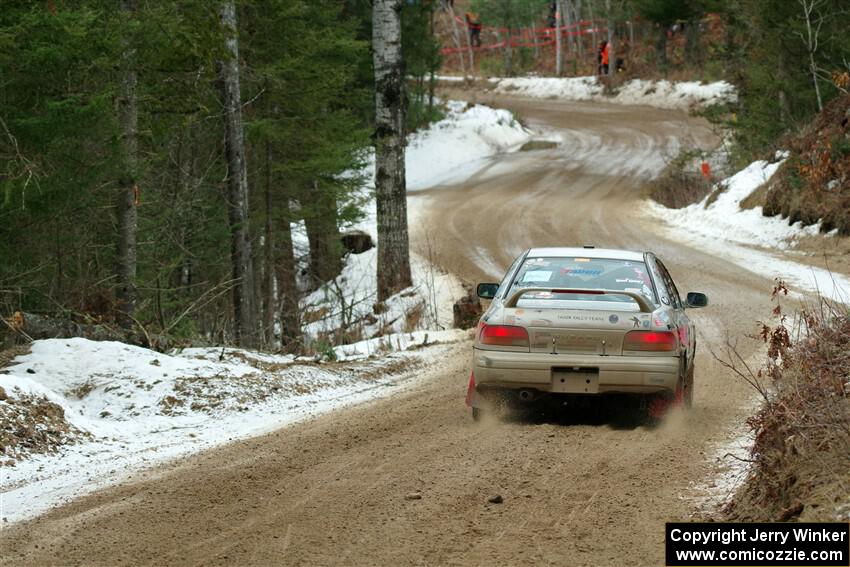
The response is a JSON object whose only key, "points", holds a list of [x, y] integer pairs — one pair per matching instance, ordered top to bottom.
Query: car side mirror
{"points": [[487, 290], [696, 299]]}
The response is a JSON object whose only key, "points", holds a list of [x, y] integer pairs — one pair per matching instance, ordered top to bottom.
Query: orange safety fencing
{"points": [[527, 37]]}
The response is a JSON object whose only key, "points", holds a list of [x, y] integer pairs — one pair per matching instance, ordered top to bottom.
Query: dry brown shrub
{"points": [[801, 455]]}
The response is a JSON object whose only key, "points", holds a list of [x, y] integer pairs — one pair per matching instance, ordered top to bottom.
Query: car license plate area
{"points": [[575, 380]]}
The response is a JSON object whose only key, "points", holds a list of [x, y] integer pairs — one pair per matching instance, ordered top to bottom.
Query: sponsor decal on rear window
{"points": [[537, 276]]}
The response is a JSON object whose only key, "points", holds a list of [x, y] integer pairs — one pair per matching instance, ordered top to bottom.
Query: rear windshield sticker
{"points": [[581, 259], [580, 272], [537, 276], [627, 280], [580, 317]]}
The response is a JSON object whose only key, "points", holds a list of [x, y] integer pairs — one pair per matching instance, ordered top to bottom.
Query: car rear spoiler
{"points": [[645, 306]]}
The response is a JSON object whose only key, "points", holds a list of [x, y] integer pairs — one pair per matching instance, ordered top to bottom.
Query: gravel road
{"points": [[407, 480]]}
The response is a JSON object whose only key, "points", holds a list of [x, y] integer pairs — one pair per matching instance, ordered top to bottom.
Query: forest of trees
{"points": [[154, 155]]}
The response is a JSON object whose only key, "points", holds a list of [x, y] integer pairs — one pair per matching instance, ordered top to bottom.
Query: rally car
{"points": [[571, 323]]}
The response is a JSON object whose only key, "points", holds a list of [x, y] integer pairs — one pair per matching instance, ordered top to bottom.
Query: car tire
{"points": [[689, 388], [655, 406]]}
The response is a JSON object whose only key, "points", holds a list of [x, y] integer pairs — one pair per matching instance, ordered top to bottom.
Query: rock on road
{"points": [[338, 490]]}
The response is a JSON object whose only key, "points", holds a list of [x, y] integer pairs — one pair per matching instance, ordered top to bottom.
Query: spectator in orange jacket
{"points": [[474, 26], [602, 58]]}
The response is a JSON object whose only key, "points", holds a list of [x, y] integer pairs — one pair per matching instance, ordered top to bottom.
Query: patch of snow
{"points": [[570, 88], [659, 94], [449, 150], [721, 213], [746, 237], [348, 301], [397, 342], [143, 407], [729, 462]]}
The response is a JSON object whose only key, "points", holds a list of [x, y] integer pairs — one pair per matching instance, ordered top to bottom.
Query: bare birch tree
{"points": [[811, 9], [559, 52], [128, 118], [237, 182], [390, 184]]}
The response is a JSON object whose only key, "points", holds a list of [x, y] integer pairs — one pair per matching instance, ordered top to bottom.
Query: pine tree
{"points": [[237, 179], [127, 190]]}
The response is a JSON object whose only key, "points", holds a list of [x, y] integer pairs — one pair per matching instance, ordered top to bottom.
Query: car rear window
{"points": [[582, 273]]}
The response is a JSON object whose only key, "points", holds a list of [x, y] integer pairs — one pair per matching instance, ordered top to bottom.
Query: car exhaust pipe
{"points": [[527, 395]]}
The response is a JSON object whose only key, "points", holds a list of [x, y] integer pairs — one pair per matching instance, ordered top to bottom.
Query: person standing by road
{"points": [[474, 25], [602, 58]]}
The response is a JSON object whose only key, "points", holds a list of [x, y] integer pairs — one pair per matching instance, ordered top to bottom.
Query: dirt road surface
{"points": [[406, 481]]}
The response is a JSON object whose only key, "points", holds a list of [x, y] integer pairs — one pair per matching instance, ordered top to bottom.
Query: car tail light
{"points": [[504, 335], [657, 341]]}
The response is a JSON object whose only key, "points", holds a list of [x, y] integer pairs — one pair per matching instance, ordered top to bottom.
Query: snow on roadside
{"points": [[659, 94], [449, 151], [720, 213], [746, 237], [350, 298], [137, 407], [140, 407], [729, 460]]}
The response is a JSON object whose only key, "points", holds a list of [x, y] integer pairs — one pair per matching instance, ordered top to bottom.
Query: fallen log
{"points": [[27, 327]]}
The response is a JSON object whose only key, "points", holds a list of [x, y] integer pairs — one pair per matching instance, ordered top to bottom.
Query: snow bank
{"points": [[659, 94], [451, 150], [721, 215], [745, 236], [351, 297], [142, 407]]}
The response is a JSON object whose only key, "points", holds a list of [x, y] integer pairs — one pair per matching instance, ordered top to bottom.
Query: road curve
{"points": [[337, 490]]}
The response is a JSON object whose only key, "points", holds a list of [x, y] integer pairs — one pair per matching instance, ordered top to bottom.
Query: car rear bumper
{"points": [[574, 373]]}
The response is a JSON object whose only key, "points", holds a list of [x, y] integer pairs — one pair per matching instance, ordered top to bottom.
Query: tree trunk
{"points": [[563, 6], [595, 38], [456, 39], [579, 39], [812, 47], [692, 48], [661, 50], [509, 53], [559, 53], [128, 119], [237, 182], [390, 185], [320, 220], [269, 291], [290, 331]]}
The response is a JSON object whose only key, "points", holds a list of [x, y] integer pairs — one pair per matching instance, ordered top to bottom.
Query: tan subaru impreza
{"points": [[570, 323]]}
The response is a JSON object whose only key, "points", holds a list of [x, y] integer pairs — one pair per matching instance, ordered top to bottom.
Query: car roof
{"points": [[601, 253]]}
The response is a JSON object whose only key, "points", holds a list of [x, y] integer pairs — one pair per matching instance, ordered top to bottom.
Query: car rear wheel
{"points": [[689, 388], [657, 405]]}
